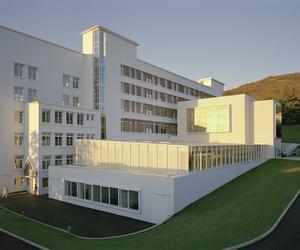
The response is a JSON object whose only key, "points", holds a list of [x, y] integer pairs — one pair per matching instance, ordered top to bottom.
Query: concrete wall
{"points": [[189, 188], [156, 192]]}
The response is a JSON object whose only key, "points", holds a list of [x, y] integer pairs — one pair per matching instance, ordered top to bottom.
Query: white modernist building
{"points": [[149, 141]]}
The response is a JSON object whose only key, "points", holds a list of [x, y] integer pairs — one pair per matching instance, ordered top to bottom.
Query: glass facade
{"points": [[99, 52], [205, 157], [111, 196]]}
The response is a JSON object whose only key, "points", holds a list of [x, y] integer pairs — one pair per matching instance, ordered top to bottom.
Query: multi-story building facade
{"points": [[51, 95]]}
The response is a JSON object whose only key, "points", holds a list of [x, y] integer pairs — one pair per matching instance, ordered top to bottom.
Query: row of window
{"points": [[20, 69], [149, 78], [69, 81], [132, 89], [19, 94], [148, 109], [69, 117], [151, 127], [58, 138], [47, 160], [59, 160], [116, 197]]}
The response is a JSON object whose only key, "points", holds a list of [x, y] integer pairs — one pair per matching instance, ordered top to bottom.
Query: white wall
{"points": [[190, 188], [156, 192]]}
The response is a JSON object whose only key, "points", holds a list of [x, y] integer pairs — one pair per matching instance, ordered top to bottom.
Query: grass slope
{"points": [[291, 133], [237, 212]]}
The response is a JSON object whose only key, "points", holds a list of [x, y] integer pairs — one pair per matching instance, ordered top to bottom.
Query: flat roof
{"points": [[109, 31], [170, 173]]}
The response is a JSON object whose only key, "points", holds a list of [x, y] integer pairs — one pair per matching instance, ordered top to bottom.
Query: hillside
{"points": [[280, 88]]}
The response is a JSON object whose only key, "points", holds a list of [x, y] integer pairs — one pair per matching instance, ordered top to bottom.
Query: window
{"points": [[19, 69], [125, 70], [32, 73], [66, 80], [75, 82], [19, 94], [32, 95], [66, 100], [76, 101], [46, 116], [19, 117], [58, 117], [87, 117], [92, 117], [69, 118], [80, 119], [80, 136], [18, 139], [46, 139], [58, 139], [69, 140], [70, 159], [58, 160], [46, 161], [18, 162], [45, 182], [74, 189], [81, 190], [88, 192], [96, 193], [104, 195], [114, 196], [123, 198], [134, 200]]}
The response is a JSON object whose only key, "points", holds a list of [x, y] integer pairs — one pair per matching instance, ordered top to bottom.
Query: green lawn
{"points": [[291, 133], [237, 212]]}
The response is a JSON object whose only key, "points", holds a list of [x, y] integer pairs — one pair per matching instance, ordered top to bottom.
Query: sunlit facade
{"points": [[51, 96]]}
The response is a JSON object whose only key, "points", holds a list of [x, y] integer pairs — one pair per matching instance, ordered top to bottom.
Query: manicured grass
{"points": [[291, 133], [237, 212]]}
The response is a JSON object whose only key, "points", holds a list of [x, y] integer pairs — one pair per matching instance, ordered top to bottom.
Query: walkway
{"points": [[287, 235], [10, 243]]}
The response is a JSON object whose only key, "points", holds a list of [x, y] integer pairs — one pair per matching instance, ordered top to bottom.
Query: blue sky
{"points": [[235, 41]]}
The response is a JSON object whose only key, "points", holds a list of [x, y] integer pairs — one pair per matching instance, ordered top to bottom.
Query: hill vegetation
{"points": [[283, 88]]}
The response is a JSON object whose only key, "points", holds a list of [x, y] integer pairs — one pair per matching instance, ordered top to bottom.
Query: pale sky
{"points": [[234, 41]]}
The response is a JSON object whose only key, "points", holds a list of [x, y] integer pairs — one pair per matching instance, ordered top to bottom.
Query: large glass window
{"points": [[74, 189], [81, 190], [88, 192], [96, 193], [104, 195], [114, 196], [124, 198], [134, 200]]}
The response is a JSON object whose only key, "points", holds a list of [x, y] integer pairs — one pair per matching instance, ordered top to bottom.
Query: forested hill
{"points": [[280, 88]]}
